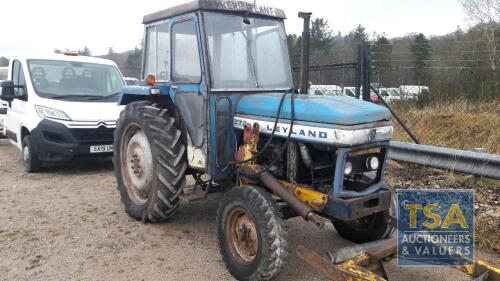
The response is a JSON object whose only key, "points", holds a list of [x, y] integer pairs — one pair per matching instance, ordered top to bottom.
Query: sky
{"points": [[38, 27]]}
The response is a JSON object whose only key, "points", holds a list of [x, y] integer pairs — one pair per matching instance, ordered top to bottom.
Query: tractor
{"points": [[217, 102]]}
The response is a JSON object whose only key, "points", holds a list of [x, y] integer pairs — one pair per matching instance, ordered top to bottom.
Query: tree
{"points": [[486, 14], [321, 35], [359, 35], [294, 48], [57, 51], [85, 51], [382, 51], [111, 52], [421, 53], [4, 61], [133, 64]]}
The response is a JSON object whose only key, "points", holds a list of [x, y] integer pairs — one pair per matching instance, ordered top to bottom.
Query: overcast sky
{"points": [[40, 26]]}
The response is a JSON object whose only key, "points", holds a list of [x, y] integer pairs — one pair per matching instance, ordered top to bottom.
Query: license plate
{"points": [[101, 148]]}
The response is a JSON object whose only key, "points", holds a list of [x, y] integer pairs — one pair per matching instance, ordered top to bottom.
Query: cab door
{"points": [[187, 87], [18, 108]]}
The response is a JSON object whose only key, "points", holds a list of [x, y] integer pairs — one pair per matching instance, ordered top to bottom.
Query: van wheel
{"points": [[31, 161], [150, 161]]}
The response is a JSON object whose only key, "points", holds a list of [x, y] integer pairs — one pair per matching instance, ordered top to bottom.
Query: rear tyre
{"points": [[31, 162], [150, 162], [252, 237]]}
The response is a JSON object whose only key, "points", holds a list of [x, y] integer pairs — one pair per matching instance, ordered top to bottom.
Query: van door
{"points": [[187, 87], [18, 108]]}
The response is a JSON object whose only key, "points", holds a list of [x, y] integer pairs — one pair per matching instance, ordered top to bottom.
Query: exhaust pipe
{"points": [[304, 59], [277, 187]]}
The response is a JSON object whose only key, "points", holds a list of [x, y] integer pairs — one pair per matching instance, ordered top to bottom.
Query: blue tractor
{"points": [[218, 104]]}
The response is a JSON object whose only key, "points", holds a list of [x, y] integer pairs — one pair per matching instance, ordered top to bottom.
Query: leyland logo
{"points": [[435, 227]]}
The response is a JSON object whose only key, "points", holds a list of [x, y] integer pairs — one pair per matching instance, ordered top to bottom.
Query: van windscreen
{"points": [[71, 80]]}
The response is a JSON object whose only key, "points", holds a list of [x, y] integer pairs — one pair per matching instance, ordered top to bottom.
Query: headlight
{"points": [[47, 112], [372, 163], [347, 168]]}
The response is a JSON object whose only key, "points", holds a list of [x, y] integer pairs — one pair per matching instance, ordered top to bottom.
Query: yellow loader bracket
{"points": [[316, 200], [364, 263]]}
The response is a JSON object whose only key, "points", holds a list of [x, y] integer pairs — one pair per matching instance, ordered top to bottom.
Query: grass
{"points": [[459, 124]]}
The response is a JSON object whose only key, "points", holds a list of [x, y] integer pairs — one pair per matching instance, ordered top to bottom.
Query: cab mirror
{"points": [[7, 91]]}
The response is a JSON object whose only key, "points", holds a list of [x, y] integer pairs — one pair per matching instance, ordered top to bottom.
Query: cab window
{"points": [[185, 56], [157, 60]]}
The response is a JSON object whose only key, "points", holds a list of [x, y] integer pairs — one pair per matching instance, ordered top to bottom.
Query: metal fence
{"points": [[338, 74], [450, 99], [437, 105]]}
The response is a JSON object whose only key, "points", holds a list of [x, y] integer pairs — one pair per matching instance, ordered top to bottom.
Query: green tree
{"points": [[321, 35], [359, 35], [294, 48], [85, 51], [382, 52], [421, 53], [4, 61], [133, 63]]}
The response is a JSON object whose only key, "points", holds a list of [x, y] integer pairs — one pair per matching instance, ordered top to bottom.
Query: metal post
{"points": [[304, 69], [366, 70], [359, 72]]}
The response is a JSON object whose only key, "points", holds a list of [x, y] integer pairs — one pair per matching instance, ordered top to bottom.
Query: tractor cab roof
{"points": [[227, 6]]}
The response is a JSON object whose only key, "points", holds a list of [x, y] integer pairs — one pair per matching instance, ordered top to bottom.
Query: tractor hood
{"points": [[337, 110]]}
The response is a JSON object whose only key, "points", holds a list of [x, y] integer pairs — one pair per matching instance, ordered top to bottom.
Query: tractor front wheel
{"points": [[370, 228], [367, 229], [252, 237]]}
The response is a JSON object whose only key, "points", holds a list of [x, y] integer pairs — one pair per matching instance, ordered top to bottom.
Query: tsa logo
{"points": [[435, 227]]}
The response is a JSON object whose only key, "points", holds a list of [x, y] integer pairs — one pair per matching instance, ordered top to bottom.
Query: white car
{"points": [[131, 81], [325, 90], [412, 91], [351, 92], [390, 94], [61, 107]]}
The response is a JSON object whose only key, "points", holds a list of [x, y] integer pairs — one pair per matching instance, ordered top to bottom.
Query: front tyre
{"points": [[149, 161], [31, 162], [370, 228], [367, 229], [252, 237]]}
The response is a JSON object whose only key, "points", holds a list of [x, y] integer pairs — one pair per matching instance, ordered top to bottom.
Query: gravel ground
{"points": [[67, 223]]}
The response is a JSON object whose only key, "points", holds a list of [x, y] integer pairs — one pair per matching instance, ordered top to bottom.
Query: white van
{"points": [[3, 105], [61, 107]]}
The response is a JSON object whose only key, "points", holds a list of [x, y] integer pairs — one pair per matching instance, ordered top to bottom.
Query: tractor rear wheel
{"points": [[149, 161], [252, 237]]}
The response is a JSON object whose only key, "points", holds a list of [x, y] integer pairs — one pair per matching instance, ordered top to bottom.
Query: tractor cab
{"points": [[220, 60]]}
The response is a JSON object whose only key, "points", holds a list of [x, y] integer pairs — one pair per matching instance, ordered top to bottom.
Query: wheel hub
{"points": [[26, 154], [137, 164], [242, 235]]}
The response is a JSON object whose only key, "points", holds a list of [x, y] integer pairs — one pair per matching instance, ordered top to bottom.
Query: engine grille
{"points": [[101, 135]]}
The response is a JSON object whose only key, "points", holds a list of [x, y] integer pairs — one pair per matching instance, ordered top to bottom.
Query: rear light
{"points": [[374, 99]]}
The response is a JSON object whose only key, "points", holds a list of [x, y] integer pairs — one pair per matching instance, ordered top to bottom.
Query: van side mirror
{"points": [[7, 91]]}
